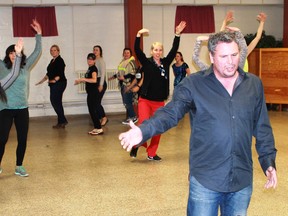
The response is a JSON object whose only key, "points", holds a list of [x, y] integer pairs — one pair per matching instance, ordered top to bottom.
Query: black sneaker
{"points": [[135, 120], [127, 121], [133, 152], [155, 158]]}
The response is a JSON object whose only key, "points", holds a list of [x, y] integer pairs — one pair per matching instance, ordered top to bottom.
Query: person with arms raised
{"points": [[155, 87], [16, 108]]}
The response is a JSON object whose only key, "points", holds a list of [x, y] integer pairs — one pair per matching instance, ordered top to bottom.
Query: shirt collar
{"points": [[210, 71]]}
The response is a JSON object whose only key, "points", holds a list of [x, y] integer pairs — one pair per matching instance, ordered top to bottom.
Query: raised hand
{"points": [[229, 17], [261, 17], [227, 20], [36, 26], [180, 27], [143, 31], [19, 46]]}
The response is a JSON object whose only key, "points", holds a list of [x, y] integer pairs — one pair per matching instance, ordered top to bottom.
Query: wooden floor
{"points": [[73, 173]]}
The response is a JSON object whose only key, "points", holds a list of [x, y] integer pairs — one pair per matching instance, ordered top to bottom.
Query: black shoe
{"points": [[127, 121], [57, 126], [133, 152], [155, 158]]}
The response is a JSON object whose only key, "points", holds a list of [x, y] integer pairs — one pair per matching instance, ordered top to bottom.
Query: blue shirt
{"points": [[179, 72], [222, 127]]}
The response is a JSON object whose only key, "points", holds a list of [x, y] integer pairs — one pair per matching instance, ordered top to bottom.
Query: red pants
{"points": [[146, 109]]}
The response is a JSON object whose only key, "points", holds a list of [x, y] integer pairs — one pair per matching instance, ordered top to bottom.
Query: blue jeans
{"points": [[127, 98], [205, 202]]}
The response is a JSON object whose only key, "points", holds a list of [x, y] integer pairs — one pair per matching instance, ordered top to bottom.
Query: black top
{"points": [[55, 68], [155, 86], [91, 87]]}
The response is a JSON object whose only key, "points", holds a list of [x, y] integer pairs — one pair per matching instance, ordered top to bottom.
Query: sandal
{"points": [[103, 123], [93, 131], [96, 131]]}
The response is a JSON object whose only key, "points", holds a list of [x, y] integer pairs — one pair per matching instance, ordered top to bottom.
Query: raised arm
{"points": [[261, 18], [227, 20], [36, 26], [178, 30], [242, 43], [243, 48], [196, 52], [139, 53], [31, 60], [7, 81]]}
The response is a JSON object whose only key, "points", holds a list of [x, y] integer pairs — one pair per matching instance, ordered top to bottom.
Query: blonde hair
{"points": [[155, 44], [55, 46]]}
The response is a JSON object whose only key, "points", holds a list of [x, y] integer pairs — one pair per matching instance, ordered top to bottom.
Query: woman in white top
{"points": [[101, 66]]}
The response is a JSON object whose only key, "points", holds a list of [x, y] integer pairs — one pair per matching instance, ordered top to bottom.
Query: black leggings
{"points": [[56, 94], [92, 108], [100, 109], [21, 121]]}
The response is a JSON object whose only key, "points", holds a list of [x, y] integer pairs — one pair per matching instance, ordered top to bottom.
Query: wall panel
{"points": [[81, 27]]}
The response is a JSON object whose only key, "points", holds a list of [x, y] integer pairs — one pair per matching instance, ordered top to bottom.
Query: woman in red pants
{"points": [[155, 88]]}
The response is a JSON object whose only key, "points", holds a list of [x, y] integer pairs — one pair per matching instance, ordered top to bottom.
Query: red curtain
{"points": [[22, 18], [199, 19]]}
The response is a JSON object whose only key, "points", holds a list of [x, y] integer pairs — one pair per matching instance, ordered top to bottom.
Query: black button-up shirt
{"points": [[222, 127]]}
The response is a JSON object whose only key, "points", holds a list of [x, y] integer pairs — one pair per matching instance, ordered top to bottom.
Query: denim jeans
{"points": [[127, 98], [205, 202]]}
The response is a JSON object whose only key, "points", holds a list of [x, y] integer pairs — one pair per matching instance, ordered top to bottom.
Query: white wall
{"points": [[160, 21], [82, 27]]}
